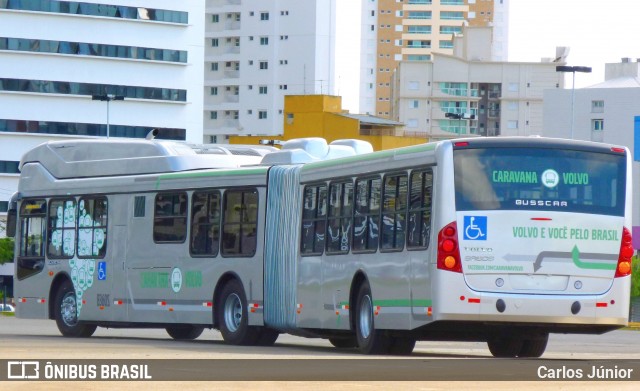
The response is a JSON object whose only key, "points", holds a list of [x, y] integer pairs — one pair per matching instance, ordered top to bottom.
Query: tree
{"points": [[6, 245], [635, 277]]}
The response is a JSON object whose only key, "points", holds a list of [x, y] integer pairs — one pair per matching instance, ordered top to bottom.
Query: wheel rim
{"points": [[69, 309], [233, 312], [366, 316]]}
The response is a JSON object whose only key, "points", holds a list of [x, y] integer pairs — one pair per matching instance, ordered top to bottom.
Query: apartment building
{"points": [[413, 30], [256, 52], [95, 69], [465, 94]]}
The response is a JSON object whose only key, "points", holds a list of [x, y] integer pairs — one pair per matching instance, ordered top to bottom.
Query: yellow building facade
{"points": [[322, 116]]}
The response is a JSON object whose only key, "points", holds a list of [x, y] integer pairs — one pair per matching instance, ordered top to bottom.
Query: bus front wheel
{"points": [[66, 313], [233, 318], [370, 340]]}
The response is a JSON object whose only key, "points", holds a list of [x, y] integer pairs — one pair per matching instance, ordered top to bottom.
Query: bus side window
{"points": [[420, 197], [314, 212], [394, 212], [33, 215], [170, 219], [339, 220], [205, 223], [240, 223], [366, 223], [92, 227], [61, 228]]}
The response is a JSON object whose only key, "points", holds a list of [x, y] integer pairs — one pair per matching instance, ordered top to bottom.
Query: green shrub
{"points": [[635, 276]]}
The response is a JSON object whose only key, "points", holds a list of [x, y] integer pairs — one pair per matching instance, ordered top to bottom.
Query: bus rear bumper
{"points": [[608, 309]]}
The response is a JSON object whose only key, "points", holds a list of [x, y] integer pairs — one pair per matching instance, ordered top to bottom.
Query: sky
{"points": [[597, 32]]}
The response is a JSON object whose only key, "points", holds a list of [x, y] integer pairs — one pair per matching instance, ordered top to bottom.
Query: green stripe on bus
{"points": [[205, 174], [398, 303]]}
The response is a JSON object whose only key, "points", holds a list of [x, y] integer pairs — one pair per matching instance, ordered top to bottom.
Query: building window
{"points": [[264, 16], [215, 18], [264, 41], [215, 42], [264, 65], [214, 66], [414, 85], [262, 90], [214, 91], [414, 104], [597, 106], [262, 114], [213, 115], [412, 123], [512, 124], [597, 125], [9, 167], [170, 218]]}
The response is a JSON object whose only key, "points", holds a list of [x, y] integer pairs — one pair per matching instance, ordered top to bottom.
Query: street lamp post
{"points": [[573, 70], [108, 98]]}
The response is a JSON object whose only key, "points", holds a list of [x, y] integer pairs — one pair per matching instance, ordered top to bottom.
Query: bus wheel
{"points": [[66, 313], [233, 317], [185, 332], [267, 336], [370, 340], [344, 343], [402, 346], [505, 347], [534, 347]]}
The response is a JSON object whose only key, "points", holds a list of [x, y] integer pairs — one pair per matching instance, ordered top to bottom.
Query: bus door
{"points": [[418, 238], [155, 254]]}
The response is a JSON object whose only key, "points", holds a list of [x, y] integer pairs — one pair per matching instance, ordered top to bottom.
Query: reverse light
{"points": [[448, 251], [626, 252]]}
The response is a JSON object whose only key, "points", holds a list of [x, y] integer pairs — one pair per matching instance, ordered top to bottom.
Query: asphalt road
{"points": [[22, 339]]}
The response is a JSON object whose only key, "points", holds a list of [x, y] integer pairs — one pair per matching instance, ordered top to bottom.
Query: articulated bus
{"points": [[500, 240]]}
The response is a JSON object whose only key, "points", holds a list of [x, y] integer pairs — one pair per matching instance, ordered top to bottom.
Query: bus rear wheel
{"points": [[65, 309], [233, 318], [184, 332], [370, 340], [505, 347], [534, 347]]}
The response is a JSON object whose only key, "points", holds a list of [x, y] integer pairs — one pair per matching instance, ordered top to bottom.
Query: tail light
{"points": [[448, 250], [626, 252]]}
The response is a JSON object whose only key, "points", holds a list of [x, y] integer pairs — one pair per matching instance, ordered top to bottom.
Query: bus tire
{"points": [[65, 309], [233, 316], [184, 333], [268, 336], [370, 340], [344, 343], [402, 346], [505, 347], [534, 347]]}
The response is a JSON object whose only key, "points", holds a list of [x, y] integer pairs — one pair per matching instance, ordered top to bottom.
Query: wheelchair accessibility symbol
{"points": [[475, 227], [102, 271]]}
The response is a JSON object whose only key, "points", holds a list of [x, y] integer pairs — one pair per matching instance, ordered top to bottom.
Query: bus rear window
{"points": [[539, 179]]}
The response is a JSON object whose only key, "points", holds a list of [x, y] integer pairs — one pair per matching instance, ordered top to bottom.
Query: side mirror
{"points": [[12, 221]]}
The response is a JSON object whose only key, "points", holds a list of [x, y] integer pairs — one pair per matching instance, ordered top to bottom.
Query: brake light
{"points": [[618, 150], [448, 251], [626, 252]]}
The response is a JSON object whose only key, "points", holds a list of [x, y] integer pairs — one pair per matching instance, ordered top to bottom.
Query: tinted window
{"points": [[540, 179], [420, 196], [314, 212], [394, 212], [33, 214], [339, 219], [170, 221], [366, 221], [205, 223], [239, 227]]}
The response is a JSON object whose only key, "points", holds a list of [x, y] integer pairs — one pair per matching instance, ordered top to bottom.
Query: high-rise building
{"points": [[411, 30], [256, 52], [97, 68]]}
